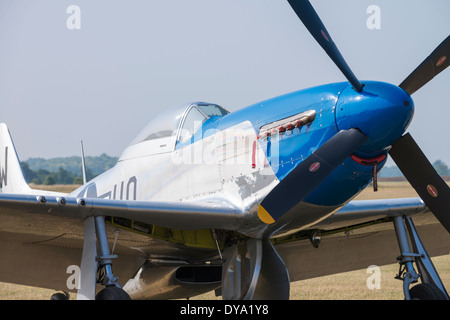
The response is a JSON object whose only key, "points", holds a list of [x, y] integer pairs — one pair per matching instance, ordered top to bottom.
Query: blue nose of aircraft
{"points": [[381, 111]]}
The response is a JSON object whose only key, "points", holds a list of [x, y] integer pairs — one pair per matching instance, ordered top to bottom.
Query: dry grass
{"points": [[65, 188], [388, 190], [352, 285], [344, 286], [17, 292]]}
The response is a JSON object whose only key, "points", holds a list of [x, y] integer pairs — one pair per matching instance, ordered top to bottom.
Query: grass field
{"points": [[344, 286]]}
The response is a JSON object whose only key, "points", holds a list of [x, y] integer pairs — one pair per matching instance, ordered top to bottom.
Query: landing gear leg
{"points": [[96, 265], [254, 270], [431, 286], [113, 290]]}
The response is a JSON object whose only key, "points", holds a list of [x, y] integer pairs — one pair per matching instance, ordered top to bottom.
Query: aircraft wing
{"points": [[363, 211], [178, 215], [193, 215]]}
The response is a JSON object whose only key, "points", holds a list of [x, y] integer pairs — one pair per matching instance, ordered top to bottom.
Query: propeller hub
{"points": [[381, 111]]}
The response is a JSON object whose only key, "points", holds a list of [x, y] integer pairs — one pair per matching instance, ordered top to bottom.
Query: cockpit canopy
{"points": [[172, 127]]}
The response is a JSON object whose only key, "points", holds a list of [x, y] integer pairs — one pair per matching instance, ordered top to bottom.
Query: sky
{"points": [[101, 73]]}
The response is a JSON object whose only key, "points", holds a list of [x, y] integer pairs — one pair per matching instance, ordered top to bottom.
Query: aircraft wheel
{"points": [[426, 291], [112, 293], [60, 296]]}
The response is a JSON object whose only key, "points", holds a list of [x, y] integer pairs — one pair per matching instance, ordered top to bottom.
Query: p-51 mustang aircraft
{"points": [[242, 203]]}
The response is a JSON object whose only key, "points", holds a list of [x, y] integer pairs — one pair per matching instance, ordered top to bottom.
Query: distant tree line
{"points": [[441, 168], [65, 170], [68, 170], [392, 171], [61, 176]]}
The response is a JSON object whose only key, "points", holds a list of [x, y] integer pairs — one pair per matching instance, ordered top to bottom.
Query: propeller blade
{"points": [[312, 22], [435, 63], [309, 174], [423, 177]]}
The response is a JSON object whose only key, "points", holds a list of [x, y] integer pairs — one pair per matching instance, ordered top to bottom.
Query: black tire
{"points": [[426, 291], [112, 293], [60, 296]]}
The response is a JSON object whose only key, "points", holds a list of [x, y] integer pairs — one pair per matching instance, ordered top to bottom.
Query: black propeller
{"points": [[312, 22], [435, 63], [409, 157], [309, 174], [423, 177]]}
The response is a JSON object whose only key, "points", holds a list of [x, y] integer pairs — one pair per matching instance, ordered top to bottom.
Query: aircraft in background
{"points": [[242, 203]]}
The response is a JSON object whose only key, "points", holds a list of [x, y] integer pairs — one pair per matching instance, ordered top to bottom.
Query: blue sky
{"points": [[132, 59]]}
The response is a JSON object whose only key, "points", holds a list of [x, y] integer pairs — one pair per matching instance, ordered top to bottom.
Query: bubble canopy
{"points": [[175, 125]]}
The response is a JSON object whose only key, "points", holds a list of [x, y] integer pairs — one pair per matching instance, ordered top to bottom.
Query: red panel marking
{"points": [[324, 35], [441, 61], [314, 167], [432, 191]]}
